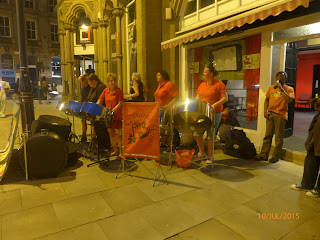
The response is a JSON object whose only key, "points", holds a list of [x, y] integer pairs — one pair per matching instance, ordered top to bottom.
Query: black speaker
{"points": [[54, 124], [102, 134], [47, 155]]}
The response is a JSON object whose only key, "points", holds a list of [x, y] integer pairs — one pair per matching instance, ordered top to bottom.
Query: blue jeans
{"points": [[210, 130]]}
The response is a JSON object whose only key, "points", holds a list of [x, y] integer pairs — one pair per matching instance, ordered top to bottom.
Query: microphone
{"points": [[275, 87]]}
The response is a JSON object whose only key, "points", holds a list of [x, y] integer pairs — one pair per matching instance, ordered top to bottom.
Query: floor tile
{"points": [[201, 176], [177, 184], [82, 185], [48, 193], [224, 197], [125, 198], [284, 200], [10, 201], [196, 205], [81, 210], [167, 219], [30, 223], [246, 223], [128, 226], [212, 230], [308, 230], [90, 231]]}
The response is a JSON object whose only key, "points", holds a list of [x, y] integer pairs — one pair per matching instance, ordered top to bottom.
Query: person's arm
{"points": [[136, 90], [286, 96], [197, 97], [224, 98], [170, 103], [120, 104], [266, 107]]}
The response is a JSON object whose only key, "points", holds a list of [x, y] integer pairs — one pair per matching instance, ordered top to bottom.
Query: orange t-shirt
{"points": [[165, 93], [212, 93], [111, 100], [277, 104]]}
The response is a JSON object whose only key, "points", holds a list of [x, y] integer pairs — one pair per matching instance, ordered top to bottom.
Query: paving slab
{"points": [[41, 195], [126, 198], [10, 201], [81, 210], [30, 223], [129, 226], [212, 230], [90, 231]]}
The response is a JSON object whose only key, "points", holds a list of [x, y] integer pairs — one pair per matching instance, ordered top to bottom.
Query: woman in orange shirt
{"points": [[213, 92], [166, 94], [113, 98]]}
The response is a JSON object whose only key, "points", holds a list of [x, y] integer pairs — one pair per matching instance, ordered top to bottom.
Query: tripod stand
{"points": [[103, 141]]}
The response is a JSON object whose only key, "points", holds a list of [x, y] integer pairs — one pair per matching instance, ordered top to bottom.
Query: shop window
{"points": [[29, 4], [52, 5], [131, 13], [4, 27], [31, 30], [54, 33], [6, 61], [238, 65], [56, 66]]}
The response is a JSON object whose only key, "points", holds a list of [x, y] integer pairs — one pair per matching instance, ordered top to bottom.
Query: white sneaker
{"points": [[210, 161], [313, 193]]}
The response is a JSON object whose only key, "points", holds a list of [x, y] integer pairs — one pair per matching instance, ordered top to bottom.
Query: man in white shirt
{"points": [[4, 86]]}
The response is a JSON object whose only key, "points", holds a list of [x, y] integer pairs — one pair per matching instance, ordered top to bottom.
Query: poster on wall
{"points": [[131, 29], [85, 35], [251, 61], [194, 67]]}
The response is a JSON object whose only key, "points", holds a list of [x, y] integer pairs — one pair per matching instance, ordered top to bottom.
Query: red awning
{"points": [[249, 17]]}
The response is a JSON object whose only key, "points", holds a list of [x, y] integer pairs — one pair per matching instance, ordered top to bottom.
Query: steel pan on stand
{"points": [[95, 112], [192, 115]]}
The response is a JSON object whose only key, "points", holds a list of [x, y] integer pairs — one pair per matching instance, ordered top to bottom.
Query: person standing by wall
{"points": [[89, 70], [4, 86], [137, 90], [276, 103], [310, 179]]}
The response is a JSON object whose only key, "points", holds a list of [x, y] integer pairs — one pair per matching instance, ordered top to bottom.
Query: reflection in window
{"points": [[205, 3], [191, 7], [56, 66]]}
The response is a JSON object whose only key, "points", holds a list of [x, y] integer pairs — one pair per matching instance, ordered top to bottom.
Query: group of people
{"points": [[214, 92]]}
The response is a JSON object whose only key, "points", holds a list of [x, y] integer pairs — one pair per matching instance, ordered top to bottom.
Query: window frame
{"points": [[27, 4], [52, 6], [4, 26], [32, 30], [54, 36]]}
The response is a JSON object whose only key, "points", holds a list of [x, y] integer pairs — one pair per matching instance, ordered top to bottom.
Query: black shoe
{"points": [[83, 139], [259, 157], [273, 160]]}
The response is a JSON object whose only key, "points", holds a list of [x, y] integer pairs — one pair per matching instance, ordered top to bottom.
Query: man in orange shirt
{"points": [[276, 113]]}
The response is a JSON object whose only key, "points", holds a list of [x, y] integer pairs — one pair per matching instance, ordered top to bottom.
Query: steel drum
{"points": [[62, 106], [74, 108], [97, 112], [192, 115]]}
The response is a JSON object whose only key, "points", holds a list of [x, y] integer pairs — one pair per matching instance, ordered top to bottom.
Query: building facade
{"points": [[42, 42]]}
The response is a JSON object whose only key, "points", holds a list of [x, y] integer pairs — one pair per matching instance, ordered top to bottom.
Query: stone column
{"points": [[118, 12], [95, 26], [62, 34], [104, 42], [70, 71]]}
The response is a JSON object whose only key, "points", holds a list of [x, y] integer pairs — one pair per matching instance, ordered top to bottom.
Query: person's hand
{"points": [[127, 96], [213, 106], [266, 115]]}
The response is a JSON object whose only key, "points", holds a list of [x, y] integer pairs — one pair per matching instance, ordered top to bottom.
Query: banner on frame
{"points": [[141, 130]]}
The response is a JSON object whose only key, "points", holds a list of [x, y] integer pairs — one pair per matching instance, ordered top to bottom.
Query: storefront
{"points": [[246, 44]]}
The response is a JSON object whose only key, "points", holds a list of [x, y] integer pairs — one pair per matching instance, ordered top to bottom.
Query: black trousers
{"points": [[311, 171]]}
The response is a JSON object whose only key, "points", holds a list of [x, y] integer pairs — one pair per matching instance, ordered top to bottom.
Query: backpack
{"points": [[239, 145]]}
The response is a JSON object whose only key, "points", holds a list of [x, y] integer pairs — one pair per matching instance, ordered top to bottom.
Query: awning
{"points": [[249, 17]]}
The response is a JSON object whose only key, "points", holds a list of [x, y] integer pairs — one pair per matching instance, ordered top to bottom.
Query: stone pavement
{"points": [[244, 199]]}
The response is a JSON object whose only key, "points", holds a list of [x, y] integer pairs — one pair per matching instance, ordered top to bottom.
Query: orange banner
{"points": [[141, 130]]}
